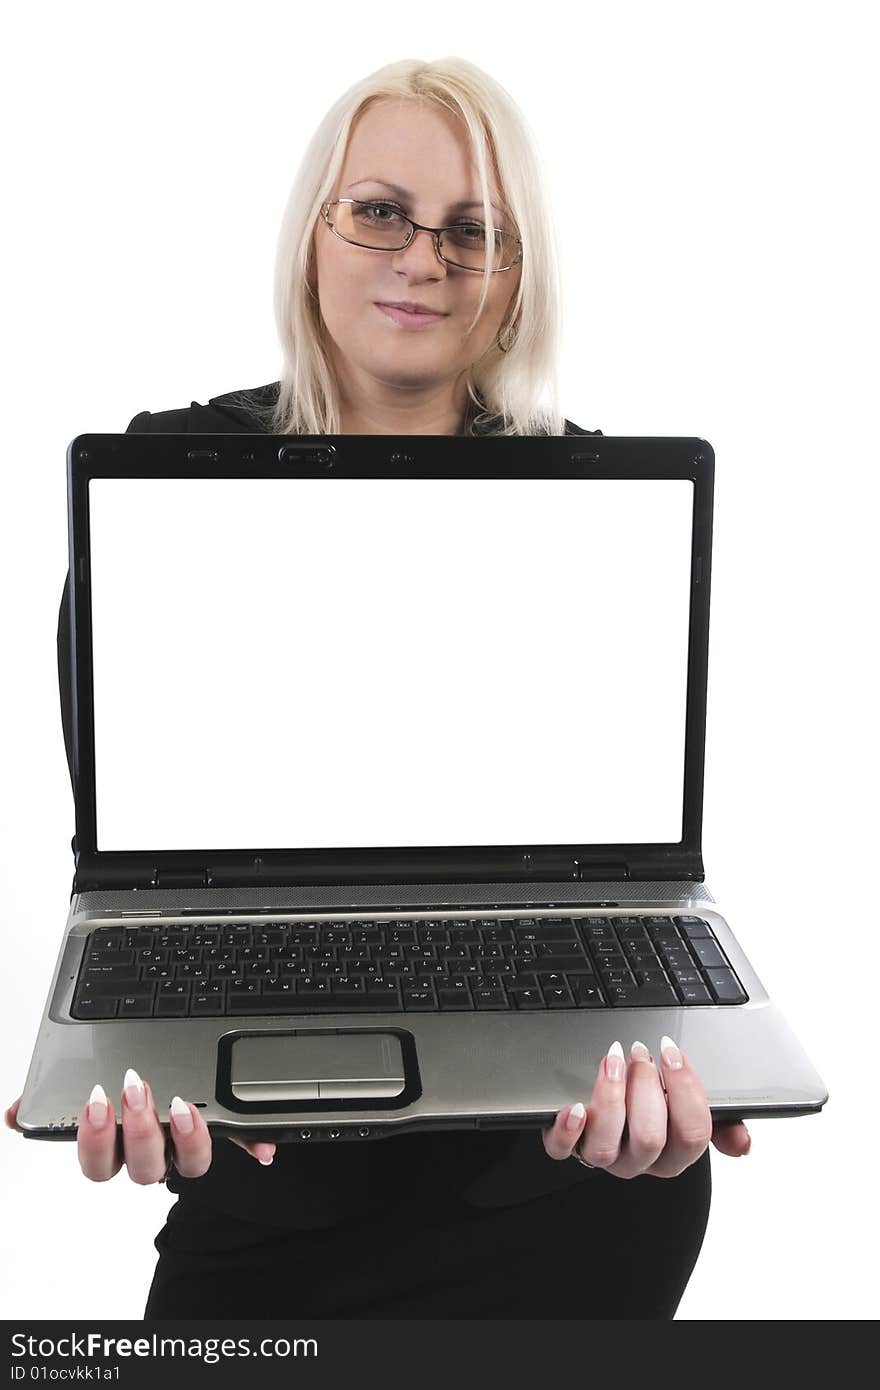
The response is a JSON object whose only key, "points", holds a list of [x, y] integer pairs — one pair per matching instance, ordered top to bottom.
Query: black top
{"points": [[306, 1188]]}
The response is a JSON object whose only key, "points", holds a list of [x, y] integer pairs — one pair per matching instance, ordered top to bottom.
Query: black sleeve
{"points": [[140, 424]]}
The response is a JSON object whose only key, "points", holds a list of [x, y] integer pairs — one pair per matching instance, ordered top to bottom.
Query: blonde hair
{"points": [[507, 390]]}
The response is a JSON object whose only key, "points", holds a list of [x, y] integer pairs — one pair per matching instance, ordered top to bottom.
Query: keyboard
{"points": [[442, 964]]}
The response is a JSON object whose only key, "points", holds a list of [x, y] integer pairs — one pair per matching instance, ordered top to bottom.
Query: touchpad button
{"points": [[316, 1066]]}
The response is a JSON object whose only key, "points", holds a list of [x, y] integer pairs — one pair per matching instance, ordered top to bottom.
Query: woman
{"points": [[439, 1225]]}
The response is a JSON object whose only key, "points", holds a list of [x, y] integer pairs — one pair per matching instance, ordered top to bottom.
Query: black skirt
{"points": [[604, 1248]]}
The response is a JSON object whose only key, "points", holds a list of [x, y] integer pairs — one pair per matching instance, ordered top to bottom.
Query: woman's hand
{"points": [[630, 1127], [140, 1145]]}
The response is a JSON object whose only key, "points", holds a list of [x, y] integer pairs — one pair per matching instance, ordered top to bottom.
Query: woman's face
{"points": [[424, 151]]}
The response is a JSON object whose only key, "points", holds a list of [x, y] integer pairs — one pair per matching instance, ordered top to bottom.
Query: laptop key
{"points": [[694, 927], [707, 953], [102, 955], [563, 963], [112, 974], [651, 977], [686, 977], [725, 987], [696, 994], [587, 996], [642, 997], [527, 998], [556, 998], [419, 999], [454, 999], [490, 999], [206, 1004], [320, 1004], [95, 1006], [136, 1006], [172, 1006]]}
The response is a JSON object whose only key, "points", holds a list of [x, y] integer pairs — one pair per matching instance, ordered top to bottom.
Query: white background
{"points": [[713, 164]]}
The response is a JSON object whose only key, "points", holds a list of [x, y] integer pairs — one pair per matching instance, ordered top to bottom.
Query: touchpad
{"points": [[316, 1066]]}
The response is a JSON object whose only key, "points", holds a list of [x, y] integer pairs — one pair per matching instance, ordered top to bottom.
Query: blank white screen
{"points": [[317, 663]]}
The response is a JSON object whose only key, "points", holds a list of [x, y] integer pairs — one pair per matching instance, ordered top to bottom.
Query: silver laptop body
{"points": [[467, 679]]}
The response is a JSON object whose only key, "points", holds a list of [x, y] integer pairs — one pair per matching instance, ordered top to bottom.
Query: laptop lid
{"points": [[374, 659]]}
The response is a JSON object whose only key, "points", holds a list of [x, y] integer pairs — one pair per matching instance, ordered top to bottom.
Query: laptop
{"points": [[388, 763]]}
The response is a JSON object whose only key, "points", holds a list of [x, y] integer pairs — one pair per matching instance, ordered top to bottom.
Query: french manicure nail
{"points": [[639, 1051], [670, 1054], [615, 1063], [135, 1092], [97, 1108], [181, 1115], [575, 1115], [266, 1161]]}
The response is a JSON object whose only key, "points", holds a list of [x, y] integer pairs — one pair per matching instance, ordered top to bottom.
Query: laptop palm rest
{"points": [[316, 1066]]}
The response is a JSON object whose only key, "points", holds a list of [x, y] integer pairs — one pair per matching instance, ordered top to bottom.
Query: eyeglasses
{"points": [[380, 227]]}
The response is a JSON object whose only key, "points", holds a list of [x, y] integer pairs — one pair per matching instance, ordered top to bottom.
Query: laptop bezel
{"points": [[157, 455]]}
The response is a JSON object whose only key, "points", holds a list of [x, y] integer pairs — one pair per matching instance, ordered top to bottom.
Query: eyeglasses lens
{"points": [[383, 229]]}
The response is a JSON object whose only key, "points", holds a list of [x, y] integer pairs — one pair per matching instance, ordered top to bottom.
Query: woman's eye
{"points": [[380, 207]]}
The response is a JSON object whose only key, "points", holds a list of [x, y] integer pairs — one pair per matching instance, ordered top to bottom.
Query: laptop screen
{"points": [[311, 663]]}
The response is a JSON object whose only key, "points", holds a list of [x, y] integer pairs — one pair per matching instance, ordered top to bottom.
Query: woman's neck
{"points": [[444, 412]]}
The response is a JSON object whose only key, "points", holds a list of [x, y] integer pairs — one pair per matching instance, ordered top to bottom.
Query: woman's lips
{"points": [[408, 320]]}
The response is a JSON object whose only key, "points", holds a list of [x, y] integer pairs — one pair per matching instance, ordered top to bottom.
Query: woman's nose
{"points": [[422, 249]]}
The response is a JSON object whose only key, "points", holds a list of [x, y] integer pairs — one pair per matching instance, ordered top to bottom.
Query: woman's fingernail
{"points": [[639, 1050], [670, 1054], [615, 1063], [135, 1092], [97, 1110], [181, 1115], [575, 1115], [266, 1161]]}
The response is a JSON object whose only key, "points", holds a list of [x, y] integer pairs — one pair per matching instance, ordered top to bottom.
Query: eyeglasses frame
{"points": [[416, 227]]}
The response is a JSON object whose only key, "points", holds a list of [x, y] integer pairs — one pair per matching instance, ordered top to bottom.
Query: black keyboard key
{"points": [[693, 927], [631, 931], [600, 932], [602, 950], [708, 954], [102, 955], [644, 956], [676, 957], [562, 963], [109, 974], [651, 977], [687, 977], [552, 979], [348, 986], [725, 987], [173, 989], [695, 994], [587, 995], [642, 997], [527, 998], [556, 998], [414, 999], [454, 999], [490, 999], [202, 1004], [255, 1004], [319, 1004], [136, 1005], [95, 1006], [172, 1006]]}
